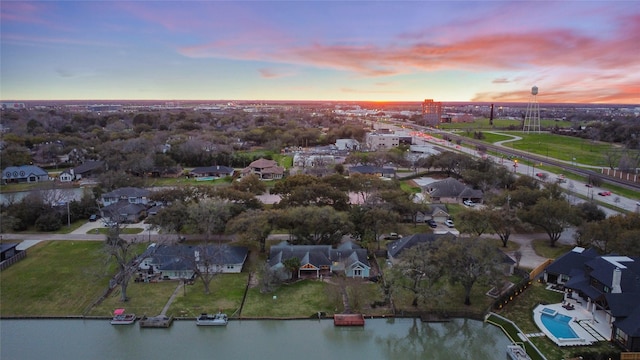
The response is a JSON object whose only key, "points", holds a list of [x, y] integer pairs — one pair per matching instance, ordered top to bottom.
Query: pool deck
{"points": [[583, 324]]}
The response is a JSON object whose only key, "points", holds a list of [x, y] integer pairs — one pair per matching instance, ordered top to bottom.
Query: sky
{"points": [[574, 51]]}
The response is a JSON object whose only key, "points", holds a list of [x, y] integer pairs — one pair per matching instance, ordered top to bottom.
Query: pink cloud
{"points": [[271, 73]]}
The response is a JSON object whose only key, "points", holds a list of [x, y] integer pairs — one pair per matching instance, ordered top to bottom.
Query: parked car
{"points": [[588, 185], [604, 193], [469, 203], [94, 217], [432, 223], [449, 223], [392, 236]]}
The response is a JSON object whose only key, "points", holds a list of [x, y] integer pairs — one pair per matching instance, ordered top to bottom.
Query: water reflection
{"points": [[246, 339]]}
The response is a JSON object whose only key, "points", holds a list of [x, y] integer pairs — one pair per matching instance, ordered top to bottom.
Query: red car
{"points": [[588, 185], [604, 193]]}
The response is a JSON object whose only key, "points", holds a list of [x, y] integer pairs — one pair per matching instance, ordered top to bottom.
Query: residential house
{"points": [[347, 144], [265, 169], [85, 170], [373, 170], [216, 171], [24, 173], [451, 190], [130, 194], [125, 205], [123, 212], [435, 212], [396, 248], [320, 260], [180, 261], [608, 286]]}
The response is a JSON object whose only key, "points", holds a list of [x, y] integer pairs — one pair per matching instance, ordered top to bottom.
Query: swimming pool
{"points": [[558, 325]]}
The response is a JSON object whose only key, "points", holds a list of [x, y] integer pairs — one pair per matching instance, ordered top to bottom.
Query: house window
{"points": [[230, 267], [357, 272], [564, 278], [606, 289], [621, 336]]}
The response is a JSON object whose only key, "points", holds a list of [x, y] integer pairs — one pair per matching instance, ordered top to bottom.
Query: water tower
{"points": [[532, 116]]}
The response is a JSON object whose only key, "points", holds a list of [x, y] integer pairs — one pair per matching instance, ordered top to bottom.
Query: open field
{"points": [[502, 124], [561, 147], [57, 278]]}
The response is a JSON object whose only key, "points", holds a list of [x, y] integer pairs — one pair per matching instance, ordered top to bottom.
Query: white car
{"points": [[469, 203], [449, 223]]}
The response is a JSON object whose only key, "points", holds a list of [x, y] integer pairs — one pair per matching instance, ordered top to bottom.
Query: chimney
{"points": [[615, 282]]}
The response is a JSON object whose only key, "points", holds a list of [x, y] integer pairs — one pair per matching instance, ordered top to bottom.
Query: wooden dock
{"points": [[348, 320]]}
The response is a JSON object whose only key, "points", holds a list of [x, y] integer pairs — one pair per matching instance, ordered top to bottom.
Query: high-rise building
{"points": [[431, 112]]}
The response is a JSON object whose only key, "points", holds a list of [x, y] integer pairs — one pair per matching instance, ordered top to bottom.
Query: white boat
{"points": [[122, 318], [218, 319], [516, 352]]}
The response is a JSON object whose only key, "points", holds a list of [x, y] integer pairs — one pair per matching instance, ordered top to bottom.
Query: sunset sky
{"points": [[574, 51]]}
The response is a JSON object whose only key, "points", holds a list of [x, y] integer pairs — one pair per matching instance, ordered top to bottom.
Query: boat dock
{"points": [[348, 320], [160, 321]]}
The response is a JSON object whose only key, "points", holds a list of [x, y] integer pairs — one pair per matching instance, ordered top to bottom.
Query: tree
{"points": [[250, 184], [552, 215], [208, 217], [171, 218], [473, 222], [503, 222], [253, 225], [315, 225], [122, 252], [470, 260], [292, 265], [417, 272]]}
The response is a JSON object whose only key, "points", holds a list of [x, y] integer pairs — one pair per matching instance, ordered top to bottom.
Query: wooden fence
{"points": [[537, 271], [630, 356]]}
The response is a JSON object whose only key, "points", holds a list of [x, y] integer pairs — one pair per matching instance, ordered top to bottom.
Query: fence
{"points": [[619, 174], [14, 259], [537, 271], [630, 356]]}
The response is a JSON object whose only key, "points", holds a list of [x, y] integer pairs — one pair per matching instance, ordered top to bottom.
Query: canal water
{"points": [[252, 339]]}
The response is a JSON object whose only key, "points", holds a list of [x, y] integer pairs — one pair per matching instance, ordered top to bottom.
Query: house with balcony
{"points": [[265, 169], [607, 286]]}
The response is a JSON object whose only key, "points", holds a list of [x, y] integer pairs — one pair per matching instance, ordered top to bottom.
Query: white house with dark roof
{"points": [[85, 170], [216, 171], [24, 173], [320, 260], [180, 261], [607, 286]]}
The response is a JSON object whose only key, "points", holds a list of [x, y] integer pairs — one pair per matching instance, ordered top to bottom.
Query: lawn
{"points": [[57, 278], [226, 292], [144, 299], [300, 299]]}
